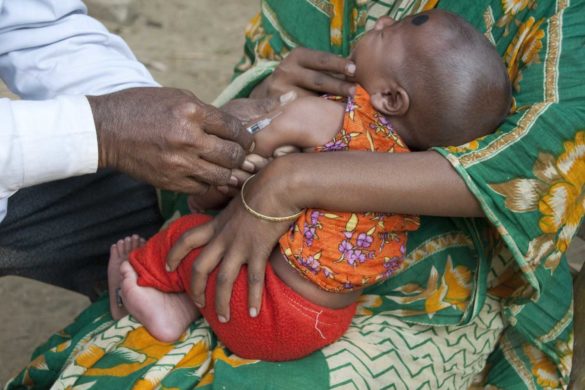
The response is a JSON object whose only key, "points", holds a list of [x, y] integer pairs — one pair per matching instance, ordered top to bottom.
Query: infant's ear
{"points": [[393, 102]]}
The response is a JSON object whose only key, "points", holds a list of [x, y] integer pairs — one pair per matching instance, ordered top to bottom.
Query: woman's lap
{"points": [[377, 351]]}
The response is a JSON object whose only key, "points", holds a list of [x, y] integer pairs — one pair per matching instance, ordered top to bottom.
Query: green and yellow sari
{"points": [[478, 300]]}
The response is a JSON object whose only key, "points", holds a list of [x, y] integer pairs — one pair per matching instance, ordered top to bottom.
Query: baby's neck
{"points": [[404, 131]]}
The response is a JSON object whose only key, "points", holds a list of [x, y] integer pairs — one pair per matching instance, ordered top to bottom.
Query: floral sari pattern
{"points": [[557, 194], [486, 299]]}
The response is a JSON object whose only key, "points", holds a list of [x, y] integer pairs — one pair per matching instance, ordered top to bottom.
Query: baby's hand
{"points": [[284, 150]]}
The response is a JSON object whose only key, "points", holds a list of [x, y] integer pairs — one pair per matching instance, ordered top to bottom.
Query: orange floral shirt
{"points": [[340, 251]]}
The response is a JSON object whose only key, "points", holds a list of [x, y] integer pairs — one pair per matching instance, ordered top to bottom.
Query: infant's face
{"points": [[380, 53]]}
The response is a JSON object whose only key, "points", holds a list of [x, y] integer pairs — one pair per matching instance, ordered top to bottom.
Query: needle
{"points": [[261, 124]]}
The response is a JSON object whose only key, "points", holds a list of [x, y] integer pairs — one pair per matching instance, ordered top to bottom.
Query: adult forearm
{"points": [[411, 183]]}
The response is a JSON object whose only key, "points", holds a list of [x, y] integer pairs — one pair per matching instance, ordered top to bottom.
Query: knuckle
{"points": [[300, 51], [292, 55], [323, 59], [280, 71], [319, 80], [276, 88], [186, 108], [212, 115], [234, 127], [200, 144], [204, 145], [229, 153], [236, 154], [175, 165], [213, 174], [220, 176], [184, 241], [198, 270], [223, 278], [254, 278]]}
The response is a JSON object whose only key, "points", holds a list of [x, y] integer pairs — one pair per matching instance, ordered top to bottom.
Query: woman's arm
{"points": [[410, 183], [422, 183]]}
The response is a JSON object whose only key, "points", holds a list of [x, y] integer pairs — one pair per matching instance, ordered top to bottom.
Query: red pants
{"points": [[288, 326]]}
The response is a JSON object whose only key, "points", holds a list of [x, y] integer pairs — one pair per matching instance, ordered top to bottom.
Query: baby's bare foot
{"points": [[119, 253], [166, 316]]}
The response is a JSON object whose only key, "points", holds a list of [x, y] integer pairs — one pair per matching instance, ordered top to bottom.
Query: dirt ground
{"points": [[187, 44]]}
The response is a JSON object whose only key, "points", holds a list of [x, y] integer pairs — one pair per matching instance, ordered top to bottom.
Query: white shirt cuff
{"points": [[57, 139]]}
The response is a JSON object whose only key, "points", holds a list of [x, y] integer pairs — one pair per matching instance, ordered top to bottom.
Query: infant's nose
{"points": [[384, 21]]}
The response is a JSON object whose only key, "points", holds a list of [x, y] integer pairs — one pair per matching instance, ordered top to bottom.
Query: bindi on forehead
{"points": [[420, 19]]}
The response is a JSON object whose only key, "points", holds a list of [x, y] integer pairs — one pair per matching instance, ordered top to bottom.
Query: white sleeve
{"points": [[50, 48], [45, 141]]}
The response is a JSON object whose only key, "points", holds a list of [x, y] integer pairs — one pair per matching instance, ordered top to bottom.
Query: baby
{"points": [[429, 80]]}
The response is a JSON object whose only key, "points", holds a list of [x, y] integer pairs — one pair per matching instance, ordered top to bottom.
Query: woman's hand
{"points": [[308, 72], [422, 183], [234, 238]]}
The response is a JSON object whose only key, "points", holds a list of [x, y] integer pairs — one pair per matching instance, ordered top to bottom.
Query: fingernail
{"points": [[350, 69], [352, 91], [287, 97], [252, 147], [248, 166], [233, 181], [223, 189], [168, 267], [199, 305], [253, 312], [222, 319]]}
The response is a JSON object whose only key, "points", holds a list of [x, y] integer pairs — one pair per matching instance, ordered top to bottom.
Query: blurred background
{"points": [[186, 44]]}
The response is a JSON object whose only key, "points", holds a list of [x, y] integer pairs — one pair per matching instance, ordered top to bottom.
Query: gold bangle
{"points": [[262, 216]]}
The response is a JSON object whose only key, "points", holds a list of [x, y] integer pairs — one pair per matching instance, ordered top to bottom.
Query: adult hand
{"points": [[307, 72], [169, 138], [252, 165], [237, 237]]}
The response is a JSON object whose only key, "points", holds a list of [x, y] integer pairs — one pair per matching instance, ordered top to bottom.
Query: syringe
{"points": [[261, 124]]}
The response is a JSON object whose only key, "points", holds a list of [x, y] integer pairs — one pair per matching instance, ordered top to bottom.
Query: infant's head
{"points": [[436, 77]]}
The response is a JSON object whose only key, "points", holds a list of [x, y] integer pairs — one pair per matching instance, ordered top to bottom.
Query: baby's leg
{"points": [[165, 315]]}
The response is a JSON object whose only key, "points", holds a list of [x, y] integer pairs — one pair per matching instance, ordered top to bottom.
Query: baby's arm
{"points": [[305, 123]]}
